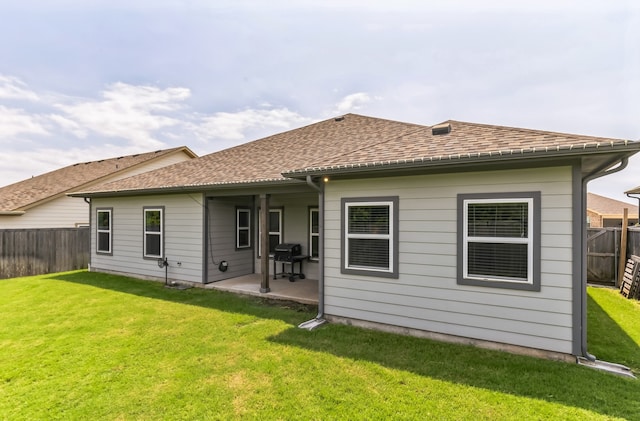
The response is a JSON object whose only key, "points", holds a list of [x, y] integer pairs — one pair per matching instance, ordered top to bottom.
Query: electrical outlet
{"points": [[179, 263]]}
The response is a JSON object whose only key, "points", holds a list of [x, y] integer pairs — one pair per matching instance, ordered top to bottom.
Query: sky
{"points": [[84, 80]]}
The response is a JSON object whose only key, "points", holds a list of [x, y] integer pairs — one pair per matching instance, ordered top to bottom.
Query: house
{"points": [[42, 201], [605, 212], [459, 231]]}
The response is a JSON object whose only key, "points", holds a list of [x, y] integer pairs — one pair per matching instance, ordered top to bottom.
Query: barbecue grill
{"points": [[288, 253]]}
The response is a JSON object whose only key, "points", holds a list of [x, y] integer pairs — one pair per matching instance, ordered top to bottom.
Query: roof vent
{"points": [[339, 118], [443, 128]]}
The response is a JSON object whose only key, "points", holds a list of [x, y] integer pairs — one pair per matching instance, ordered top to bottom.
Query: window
{"points": [[243, 228], [275, 230], [103, 231], [153, 232], [314, 233], [370, 236], [499, 237]]}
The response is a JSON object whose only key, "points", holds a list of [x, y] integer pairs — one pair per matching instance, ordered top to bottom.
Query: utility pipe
{"points": [[585, 180], [638, 198], [320, 317]]}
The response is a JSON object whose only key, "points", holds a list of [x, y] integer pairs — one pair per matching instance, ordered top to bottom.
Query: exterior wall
{"points": [[62, 212], [70, 212], [594, 218], [295, 226], [183, 237], [222, 239], [426, 295]]}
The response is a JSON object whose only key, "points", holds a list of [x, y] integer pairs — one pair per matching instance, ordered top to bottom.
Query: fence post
{"points": [[623, 246]]}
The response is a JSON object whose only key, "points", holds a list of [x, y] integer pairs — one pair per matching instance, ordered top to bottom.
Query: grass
{"points": [[82, 345]]}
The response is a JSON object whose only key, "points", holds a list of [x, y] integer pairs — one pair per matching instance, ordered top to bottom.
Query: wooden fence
{"points": [[25, 252], [603, 252]]}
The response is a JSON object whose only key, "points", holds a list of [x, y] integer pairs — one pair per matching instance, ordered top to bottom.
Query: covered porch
{"points": [[303, 291]]}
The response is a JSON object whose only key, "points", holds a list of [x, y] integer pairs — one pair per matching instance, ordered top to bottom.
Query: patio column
{"points": [[264, 242]]}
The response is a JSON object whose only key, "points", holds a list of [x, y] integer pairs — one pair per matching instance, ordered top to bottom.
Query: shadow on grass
{"points": [[289, 312], [608, 341], [552, 381], [556, 382]]}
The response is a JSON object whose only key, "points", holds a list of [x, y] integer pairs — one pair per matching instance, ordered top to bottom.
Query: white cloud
{"points": [[14, 88], [352, 103], [129, 112], [15, 122], [68, 125], [234, 126]]}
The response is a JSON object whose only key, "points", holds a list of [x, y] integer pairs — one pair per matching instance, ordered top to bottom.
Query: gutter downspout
{"points": [[585, 180], [638, 198], [87, 200], [319, 319]]}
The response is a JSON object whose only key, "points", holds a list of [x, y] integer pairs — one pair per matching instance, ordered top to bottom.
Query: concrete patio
{"points": [[303, 291]]}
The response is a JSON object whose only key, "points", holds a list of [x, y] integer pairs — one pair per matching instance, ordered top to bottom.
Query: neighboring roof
{"points": [[355, 143], [635, 190], [24, 194], [609, 208]]}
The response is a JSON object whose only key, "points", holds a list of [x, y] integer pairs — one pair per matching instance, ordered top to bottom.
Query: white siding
{"points": [[154, 164], [62, 212], [183, 237], [426, 296]]}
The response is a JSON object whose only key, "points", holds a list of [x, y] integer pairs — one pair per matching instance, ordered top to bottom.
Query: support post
{"points": [[264, 243], [623, 247]]}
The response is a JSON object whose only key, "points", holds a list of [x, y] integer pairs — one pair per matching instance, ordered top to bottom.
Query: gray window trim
{"points": [[248, 228], [98, 231], [144, 231], [394, 232], [535, 232], [310, 234]]}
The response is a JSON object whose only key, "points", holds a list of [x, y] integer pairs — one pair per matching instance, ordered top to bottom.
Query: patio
{"points": [[303, 291]]}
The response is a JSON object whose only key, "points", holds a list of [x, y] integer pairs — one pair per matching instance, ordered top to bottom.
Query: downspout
{"points": [[585, 180], [638, 198], [88, 202], [319, 319]]}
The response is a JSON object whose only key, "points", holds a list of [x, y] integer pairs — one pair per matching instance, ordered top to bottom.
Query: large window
{"points": [[243, 228], [103, 230], [275, 230], [154, 232], [314, 233], [370, 236], [499, 237]]}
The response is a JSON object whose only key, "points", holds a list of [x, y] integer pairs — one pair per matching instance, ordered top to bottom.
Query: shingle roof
{"points": [[354, 141], [465, 141], [265, 159], [24, 194], [606, 206]]}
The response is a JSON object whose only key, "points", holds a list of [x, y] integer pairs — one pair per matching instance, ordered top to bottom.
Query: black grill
{"points": [[286, 252]]}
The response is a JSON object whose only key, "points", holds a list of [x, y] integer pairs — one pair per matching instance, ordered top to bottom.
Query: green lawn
{"points": [[91, 346]]}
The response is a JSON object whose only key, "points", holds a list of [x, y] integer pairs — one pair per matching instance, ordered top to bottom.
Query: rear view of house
{"points": [[458, 231]]}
